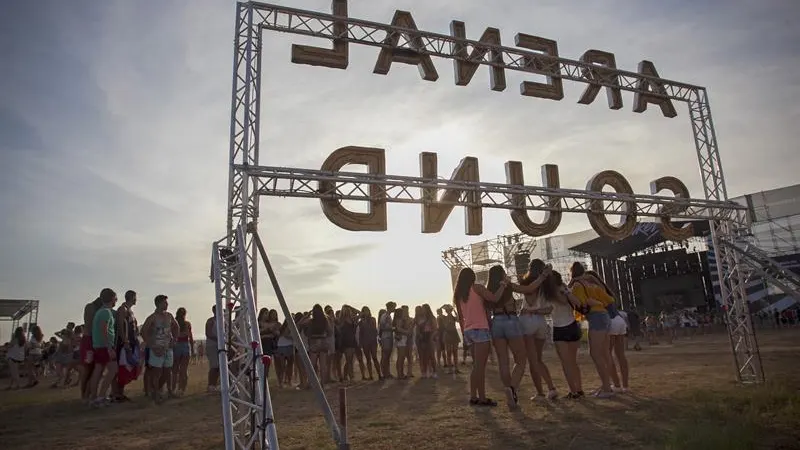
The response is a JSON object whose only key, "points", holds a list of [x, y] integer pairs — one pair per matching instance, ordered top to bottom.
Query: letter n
{"points": [[435, 210], [552, 217]]}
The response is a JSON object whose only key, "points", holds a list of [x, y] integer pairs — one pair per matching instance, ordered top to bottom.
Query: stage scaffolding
{"points": [[502, 250], [19, 312]]}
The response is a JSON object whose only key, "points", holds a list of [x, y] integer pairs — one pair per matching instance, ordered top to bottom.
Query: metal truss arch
{"points": [[236, 281]]}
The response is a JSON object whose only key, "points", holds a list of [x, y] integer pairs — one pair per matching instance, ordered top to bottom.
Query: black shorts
{"points": [[569, 333]]}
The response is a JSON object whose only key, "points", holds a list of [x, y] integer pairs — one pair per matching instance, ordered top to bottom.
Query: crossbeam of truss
{"points": [[316, 24], [304, 183]]}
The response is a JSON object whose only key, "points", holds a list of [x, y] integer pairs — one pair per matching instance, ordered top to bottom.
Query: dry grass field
{"points": [[683, 397]]}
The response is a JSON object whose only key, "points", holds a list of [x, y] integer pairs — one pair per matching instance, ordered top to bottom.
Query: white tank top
{"points": [[537, 302], [562, 314]]}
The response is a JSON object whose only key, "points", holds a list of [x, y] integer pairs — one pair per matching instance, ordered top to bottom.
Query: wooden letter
{"points": [[405, 55], [316, 56], [466, 70], [600, 73], [553, 89], [657, 94], [680, 190], [435, 211], [552, 217], [375, 219], [598, 219]]}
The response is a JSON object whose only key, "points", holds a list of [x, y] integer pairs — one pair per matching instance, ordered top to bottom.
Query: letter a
{"points": [[408, 55], [651, 91], [435, 211], [552, 217], [375, 219]]}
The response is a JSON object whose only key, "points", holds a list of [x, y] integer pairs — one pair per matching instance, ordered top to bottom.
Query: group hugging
{"points": [[490, 314]]}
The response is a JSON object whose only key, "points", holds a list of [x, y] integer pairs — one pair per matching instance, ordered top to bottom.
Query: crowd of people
{"points": [[493, 322], [110, 349]]}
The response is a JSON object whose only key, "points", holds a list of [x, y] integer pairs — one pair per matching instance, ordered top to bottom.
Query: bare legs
{"points": [[617, 344], [533, 349], [598, 349], [568, 354], [371, 355], [402, 355], [386, 356], [349, 357], [360, 359], [319, 360], [301, 370], [86, 371], [180, 374], [477, 377], [511, 377], [97, 387]]}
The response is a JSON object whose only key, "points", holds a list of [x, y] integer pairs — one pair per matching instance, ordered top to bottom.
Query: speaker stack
{"points": [[521, 262]]}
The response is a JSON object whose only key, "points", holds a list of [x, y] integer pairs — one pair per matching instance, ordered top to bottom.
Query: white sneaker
{"points": [[604, 394], [538, 398]]}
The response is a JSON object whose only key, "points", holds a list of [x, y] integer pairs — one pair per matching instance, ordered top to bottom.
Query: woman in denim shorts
{"points": [[469, 299], [534, 327], [507, 334]]}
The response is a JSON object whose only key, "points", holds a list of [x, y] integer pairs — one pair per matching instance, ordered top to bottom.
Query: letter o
{"points": [[597, 217]]}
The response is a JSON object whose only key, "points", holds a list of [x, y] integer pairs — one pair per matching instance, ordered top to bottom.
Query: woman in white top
{"points": [[532, 314], [566, 331], [284, 355], [34, 357], [16, 358]]}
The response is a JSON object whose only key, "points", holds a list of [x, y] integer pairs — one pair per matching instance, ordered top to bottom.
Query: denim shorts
{"points": [[599, 321], [533, 325], [505, 326], [477, 336], [182, 349]]}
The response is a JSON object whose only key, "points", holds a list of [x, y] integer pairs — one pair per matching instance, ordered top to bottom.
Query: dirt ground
{"points": [[683, 397]]}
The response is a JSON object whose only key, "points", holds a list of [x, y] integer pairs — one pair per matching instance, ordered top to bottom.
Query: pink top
{"points": [[474, 312]]}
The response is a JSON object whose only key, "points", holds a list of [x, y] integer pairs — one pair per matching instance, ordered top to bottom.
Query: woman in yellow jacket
{"points": [[591, 292]]}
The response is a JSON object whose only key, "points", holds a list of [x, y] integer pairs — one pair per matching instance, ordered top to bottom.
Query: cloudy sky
{"points": [[114, 120]]}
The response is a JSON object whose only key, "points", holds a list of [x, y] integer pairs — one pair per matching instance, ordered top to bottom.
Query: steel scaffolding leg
{"points": [[732, 281]]}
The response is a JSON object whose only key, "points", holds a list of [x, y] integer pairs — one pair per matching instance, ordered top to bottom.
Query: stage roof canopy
{"points": [[644, 236], [16, 309]]}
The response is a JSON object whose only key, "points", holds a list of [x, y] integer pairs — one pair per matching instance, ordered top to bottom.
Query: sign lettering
{"points": [[541, 53], [437, 206]]}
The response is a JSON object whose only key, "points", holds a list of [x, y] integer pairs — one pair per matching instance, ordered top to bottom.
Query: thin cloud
{"points": [[347, 252]]}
